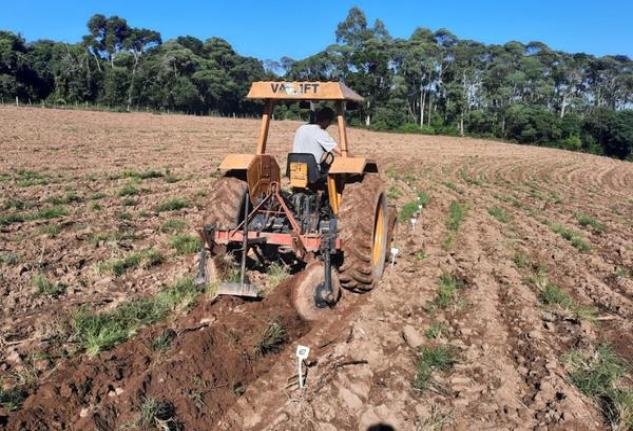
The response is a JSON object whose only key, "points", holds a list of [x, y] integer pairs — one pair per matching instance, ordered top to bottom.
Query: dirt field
{"points": [[521, 260]]}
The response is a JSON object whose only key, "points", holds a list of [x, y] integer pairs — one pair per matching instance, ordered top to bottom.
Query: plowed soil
{"points": [[511, 370]]}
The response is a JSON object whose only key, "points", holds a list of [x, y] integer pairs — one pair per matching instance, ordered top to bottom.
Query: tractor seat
{"points": [[303, 170]]}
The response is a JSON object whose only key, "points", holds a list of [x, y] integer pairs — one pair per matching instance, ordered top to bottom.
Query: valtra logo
{"points": [[294, 89]]}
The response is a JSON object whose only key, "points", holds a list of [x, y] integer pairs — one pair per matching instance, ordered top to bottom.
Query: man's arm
{"points": [[328, 143]]}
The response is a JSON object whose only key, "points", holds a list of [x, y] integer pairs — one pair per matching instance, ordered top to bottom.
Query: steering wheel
{"points": [[327, 158]]}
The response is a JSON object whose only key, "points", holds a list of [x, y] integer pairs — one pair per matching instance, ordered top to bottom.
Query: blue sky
{"points": [[269, 30]]}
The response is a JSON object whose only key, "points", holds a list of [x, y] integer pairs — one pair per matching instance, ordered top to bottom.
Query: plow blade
{"points": [[238, 289]]}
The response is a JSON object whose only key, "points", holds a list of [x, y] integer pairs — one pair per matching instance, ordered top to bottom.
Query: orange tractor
{"points": [[332, 221]]}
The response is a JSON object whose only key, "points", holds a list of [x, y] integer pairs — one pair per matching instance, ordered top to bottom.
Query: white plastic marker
{"points": [[413, 222], [394, 253], [302, 354]]}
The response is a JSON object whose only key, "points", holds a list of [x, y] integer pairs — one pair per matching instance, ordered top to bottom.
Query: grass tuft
{"points": [[142, 175], [30, 178], [128, 190], [394, 192], [68, 198], [172, 205], [408, 211], [49, 213], [500, 214], [456, 215], [8, 219], [586, 220], [173, 226], [51, 230], [572, 236], [186, 244], [9, 258], [521, 260], [118, 267], [276, 274], [45, 287], [447, 291], [551, 294], [554, 295], [437, 329], [98, 332], [272, 338], [164, 340], [438, 358], [600, 374], [11, 399], [157, 415]]}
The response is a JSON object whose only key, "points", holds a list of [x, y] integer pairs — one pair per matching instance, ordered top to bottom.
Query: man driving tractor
{"points": [[314, 139]]}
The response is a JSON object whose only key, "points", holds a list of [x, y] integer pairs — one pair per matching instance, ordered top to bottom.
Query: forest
{"points": [[433, 82]]}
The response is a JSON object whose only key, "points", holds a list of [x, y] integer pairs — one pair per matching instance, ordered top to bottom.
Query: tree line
{"points": [[432, 82]]}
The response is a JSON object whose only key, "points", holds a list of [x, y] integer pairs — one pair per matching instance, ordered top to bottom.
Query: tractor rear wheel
{"points": [[226, 203], [363, 229]]}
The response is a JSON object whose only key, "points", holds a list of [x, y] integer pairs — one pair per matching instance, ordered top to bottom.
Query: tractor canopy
{"points": [[302, 91]]}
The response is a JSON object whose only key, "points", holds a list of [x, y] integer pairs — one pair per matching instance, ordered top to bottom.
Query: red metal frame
{"points": [[311, 242], [299, 243]]}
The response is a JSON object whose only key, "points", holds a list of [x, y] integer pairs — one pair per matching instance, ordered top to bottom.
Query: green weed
{"points": [[142, 175], [30, 178], [476, 181], [453, 187], [128, 190], [393, 192], [97, 196], [68, 198], [423, 199], [17, 204], [172, 205], [408, 211], [49, 213], [500, 214], [456, 215], [124, 216], [8, 219], [587, 220], [173, 225], [51, 230], [572, 236], [186, 244], [9, 258], [152, 258], [521, 260], [118, 267], [276, 274], [45, 287], [447, 291], [553, 294], [436, 329], [97, 332], [272, 338], [164, 340], [438, 358], [600, 374], [11, 399], [156, 415]]}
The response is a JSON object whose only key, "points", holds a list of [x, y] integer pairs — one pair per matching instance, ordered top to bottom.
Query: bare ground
{"points": [[510, 347]]}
